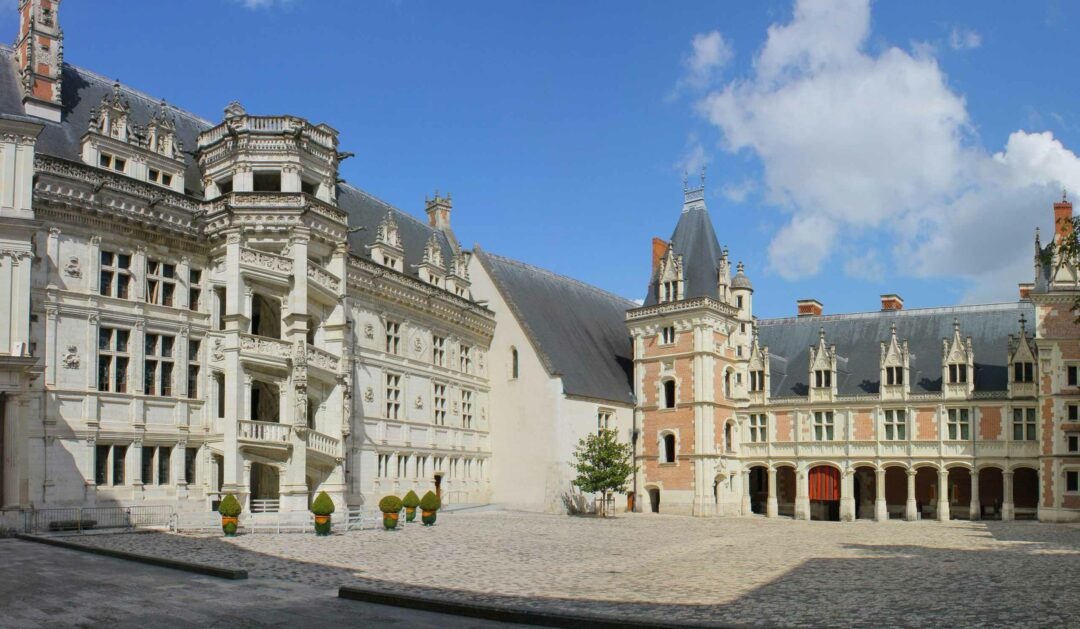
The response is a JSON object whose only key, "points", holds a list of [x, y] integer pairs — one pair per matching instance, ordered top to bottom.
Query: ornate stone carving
{"points": [[265, 260], [71, 269], [323, 277], [369, 331], [418, 345], [265, 346], [217, 352], [71, 357], [299, 381], [369, 395], [419, 402]]}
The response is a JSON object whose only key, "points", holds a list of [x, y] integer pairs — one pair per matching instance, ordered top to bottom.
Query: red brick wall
{"points": [[990, 423], [784, 424], [926, 424], [863, 425], [679, 475]]}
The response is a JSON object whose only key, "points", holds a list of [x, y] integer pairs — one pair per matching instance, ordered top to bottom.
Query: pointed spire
{"points": [[956, 325], [1023, 326]]}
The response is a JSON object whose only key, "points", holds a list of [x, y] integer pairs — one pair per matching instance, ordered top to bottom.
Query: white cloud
{"points": [[264, 4], [964, 39], [709, 54], [856, 143], [694, 156], [739, 192], [866, 266]]}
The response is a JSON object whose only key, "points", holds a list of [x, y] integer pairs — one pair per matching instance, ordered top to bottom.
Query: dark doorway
{"points": [[438, 486], [864, 487], [759, 489], [785, 491], [896, 492], [825, 493], [991, 493], [1025, 493], [959, 494], [654, 499]]}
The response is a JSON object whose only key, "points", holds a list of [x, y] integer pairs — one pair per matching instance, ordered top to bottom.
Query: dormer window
{"points": [[112, 162], [154, 175], [266, 181], [392, 262], [669, 291], [1023, 372], [958, 374], [894, 375], [822, 378], [757, 380]]}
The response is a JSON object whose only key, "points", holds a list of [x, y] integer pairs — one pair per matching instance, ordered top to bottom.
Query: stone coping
{"points": [[212, 571]]}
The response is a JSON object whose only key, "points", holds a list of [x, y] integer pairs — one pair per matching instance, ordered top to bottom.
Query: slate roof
{"points": [[83, 90], [694, 239], [578, 330], [857, 338]]}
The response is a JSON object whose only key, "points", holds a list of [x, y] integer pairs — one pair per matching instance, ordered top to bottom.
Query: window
{"points": [[112, 162], [156, 176], [266, 181], [225, 186], [307, 187], [392, 261], [115, 274], [160, 282], [194, 288], [669, 291], [219, 297], [738, 304], [667, 335], [393, 337], [438, 350], [112, 359], [466, 359], [513, 363], [158, 366], [193, 369], [1023, 372], [957, 374], [894, 375], [1071, 375], [822, 378], [757, 380], [219, 382], [669, 393], [393, 395], [440, 404], [466, 409], [1074, 412], [603, 421], [958, 424], [1023, 424], [823, 425], [895, 425], [758, 428], [1073, 443], [668, 453], [191, 456], [164, 458], [119, 459], [101, 464], [148, 465], [402, 465], [383, 470], [1072, 481]]}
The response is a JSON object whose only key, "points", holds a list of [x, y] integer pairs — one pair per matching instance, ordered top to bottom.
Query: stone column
{"points": [[10, 460], [802, 495], [847, 495], [943, 495], [771, 507], [1007, 507], [747, 508], [881, 508], [910, 508], [974, 508]]}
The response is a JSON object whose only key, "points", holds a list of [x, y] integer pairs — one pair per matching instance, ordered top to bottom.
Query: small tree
{"points": [[1069, 249], [603, 465]]}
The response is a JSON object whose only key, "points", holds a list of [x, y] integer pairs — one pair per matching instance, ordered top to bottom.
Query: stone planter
{"points": [[410, 514], [428, 518], [390, 520], [229, 525], [322, 525]]}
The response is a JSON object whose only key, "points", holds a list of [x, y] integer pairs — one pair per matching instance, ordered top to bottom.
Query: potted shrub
{"points": [[411, 502], [429, 504], [322, 507], [390, 507], [230, 512]]}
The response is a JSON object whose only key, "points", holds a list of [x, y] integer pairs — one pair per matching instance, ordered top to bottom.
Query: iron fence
{"points": [[80, 519]]}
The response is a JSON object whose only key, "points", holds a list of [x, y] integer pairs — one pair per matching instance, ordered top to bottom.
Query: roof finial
{"points": [[703, 177], [685, 181], [1064, 197], [956, 325], [1023, 325], [892, 329], [821, 334]]}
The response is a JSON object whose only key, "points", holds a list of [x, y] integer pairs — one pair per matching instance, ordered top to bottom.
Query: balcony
{"points": [[265, 264], [320, 278], [264, 350], [323, 360], [262, 433], [323, 444]]}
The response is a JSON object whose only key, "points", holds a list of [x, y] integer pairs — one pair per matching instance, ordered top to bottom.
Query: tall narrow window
{"points": [[115, 274], [160, 282], [194, 288], [219, 297], [667, 335], [393, 337], [438, 350], [112, 359], [466, 359], [513, 363], [158, 366], [193, 369], [1023, 372], [958, 373], [894, 375], [1072, 375], [823, 378], [757, 380], [219, 384], [669, 393], [393, 395], [439, 404], [466, 409], [1073, 412], [603, 421], [958, 424], [1023, 424], [823, 425], [895, 425], [758, 428], [669, 448], [191, 457], [164, 458], [119, 460], [101, 464], [148, 465], [1072, 481]]}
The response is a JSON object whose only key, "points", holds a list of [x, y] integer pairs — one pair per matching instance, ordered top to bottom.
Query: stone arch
{"points": [[669, 390], [669, 446], [959, 464], [825, 482], [959, 486], [759, 487], [785, 487], [864, 488], [1025, 488], [896, 489], [927, 489], [653, 490], [991, 491]]}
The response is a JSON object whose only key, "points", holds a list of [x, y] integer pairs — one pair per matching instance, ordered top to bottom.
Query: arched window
{"points": [[513, 363], [669, 394], [727, 438], [668, 455]]}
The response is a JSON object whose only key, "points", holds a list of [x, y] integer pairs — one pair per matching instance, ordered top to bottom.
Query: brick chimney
{"points": [[39, 52], [438, 211], [1063, 213], [659, 249], [1025, 289], [892, 301], [809, 307]]}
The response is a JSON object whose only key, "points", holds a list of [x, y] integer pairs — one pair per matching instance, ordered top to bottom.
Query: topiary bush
{"points": [[411, 500], [430, 502], [323, 504], [390, 504], [230, 507]]}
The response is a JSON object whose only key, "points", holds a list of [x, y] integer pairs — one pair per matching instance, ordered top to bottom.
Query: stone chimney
{"points": [[39, 52], [438, 211], [1063, 213], [659, 248], [891, 301], [809, 307]]}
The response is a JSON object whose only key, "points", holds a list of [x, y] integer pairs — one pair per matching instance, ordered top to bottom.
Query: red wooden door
{"points": [[824, 483]]}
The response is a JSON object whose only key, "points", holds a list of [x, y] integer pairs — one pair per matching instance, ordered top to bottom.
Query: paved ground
{"points": [[740, 571], [44, 586]]}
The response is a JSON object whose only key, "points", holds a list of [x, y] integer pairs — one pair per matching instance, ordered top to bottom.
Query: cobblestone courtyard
{"points": [[738, 571]]}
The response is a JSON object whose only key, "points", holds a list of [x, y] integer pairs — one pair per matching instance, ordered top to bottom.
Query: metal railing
{"points": [[265, 505], [79, 519]]}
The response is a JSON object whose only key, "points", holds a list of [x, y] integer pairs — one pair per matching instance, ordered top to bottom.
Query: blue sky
{"points": [[852, 149]]}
